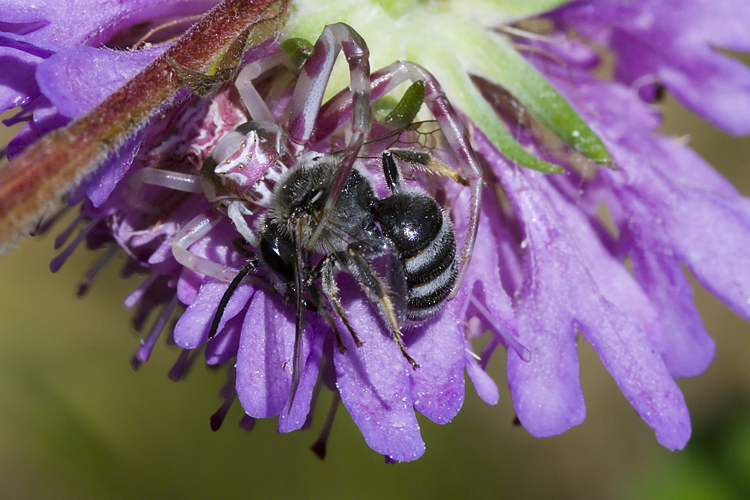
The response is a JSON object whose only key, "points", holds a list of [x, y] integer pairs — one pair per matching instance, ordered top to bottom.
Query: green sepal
{"points": [[459, 46], [298, 50], [491, 56], [466, 97], [404, 111]]}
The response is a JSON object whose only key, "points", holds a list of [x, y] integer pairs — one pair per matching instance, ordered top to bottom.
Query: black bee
{"points": [[408, 229]]}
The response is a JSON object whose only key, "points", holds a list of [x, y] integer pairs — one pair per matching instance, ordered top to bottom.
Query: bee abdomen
{"points": [[423, 238]]}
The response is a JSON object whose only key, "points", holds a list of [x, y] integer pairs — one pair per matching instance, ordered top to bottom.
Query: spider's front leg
{"points": [[308, 96]]}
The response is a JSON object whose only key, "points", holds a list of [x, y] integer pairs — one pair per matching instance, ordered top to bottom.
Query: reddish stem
{"points": [[47, 169]]}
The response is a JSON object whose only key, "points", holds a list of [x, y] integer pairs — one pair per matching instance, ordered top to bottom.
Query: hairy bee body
{"points": [[408, 225]]}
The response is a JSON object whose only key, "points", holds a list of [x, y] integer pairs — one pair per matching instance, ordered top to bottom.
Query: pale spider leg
{"points": [[313, 79], [308, 96], [254, 103], [335, 112], [156, 177], [188, 183], [236, 210], [197, 228]]}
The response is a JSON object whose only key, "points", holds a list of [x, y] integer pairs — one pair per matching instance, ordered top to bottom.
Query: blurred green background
{"points": [[76, 421]]}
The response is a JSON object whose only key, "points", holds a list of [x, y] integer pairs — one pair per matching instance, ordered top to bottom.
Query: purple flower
{"points": [[675, 44], [555, 143]]}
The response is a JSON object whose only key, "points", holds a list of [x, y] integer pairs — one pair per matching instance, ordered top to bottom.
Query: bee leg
{"points": [[423, 162], [239, 245], [301, 263], [252, 264], [331, 291], [377, 293], [322, 309]]}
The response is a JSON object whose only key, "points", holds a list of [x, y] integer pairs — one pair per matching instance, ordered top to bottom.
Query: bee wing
{"points": [[398, 290]]}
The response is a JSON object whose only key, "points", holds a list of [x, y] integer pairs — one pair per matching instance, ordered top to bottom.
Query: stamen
{"points": [[50, 221], [65, 234], [58, 261], [88, 278], [136, 295], [487, 351], [144, 352], [522, 352], [183, 364], [229, 393], [313, 404], [218, 418], [247, 423], [319, 448]]}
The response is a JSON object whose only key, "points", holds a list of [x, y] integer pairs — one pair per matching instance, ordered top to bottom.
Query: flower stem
{"points": [[43, 173]]}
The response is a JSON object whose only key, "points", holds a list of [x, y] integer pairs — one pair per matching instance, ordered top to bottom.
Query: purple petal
{"points": [[81, 21], [47, 25], [675, 43], [20, 56], [81, 77], [104, 179], [671, 195], [666, 196], [673, 214], [494, 242], [613, 280], [188, 285], [560, 296], [192, 328], [226, 343], [688, 349], [265, 356], [630, 357], [373, 380], [483, 383], [437, 386], [546, 391], [296, 417]]}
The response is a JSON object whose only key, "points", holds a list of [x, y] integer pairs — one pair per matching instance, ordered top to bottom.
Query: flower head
{"points": [[297, 295]]}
